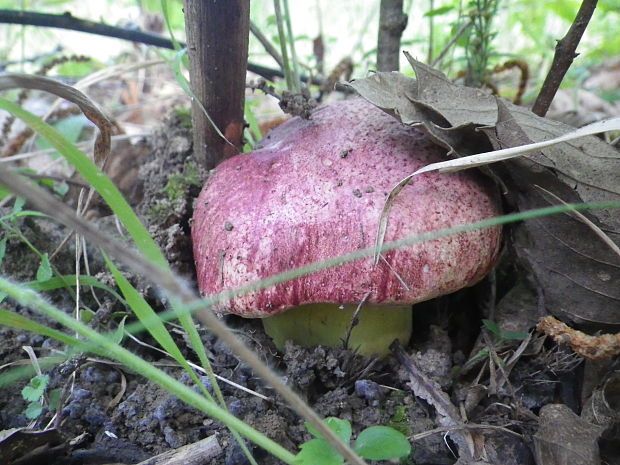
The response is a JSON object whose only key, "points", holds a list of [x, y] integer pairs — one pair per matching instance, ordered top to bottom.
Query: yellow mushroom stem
{"points": [[327, 324]]}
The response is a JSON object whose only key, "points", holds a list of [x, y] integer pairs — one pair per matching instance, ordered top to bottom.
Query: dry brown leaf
{"points": [[451, 115], [575, 270], [564, 438]]}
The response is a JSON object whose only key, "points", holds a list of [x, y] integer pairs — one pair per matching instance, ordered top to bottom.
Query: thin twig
{"points": [[69, 22], [464, 27], [269, 48], [563, 58]]}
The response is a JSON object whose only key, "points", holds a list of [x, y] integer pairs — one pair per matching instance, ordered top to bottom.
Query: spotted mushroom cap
{"points": [[315, 189]]}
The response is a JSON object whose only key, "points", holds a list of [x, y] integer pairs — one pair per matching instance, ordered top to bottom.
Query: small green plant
{"points": [[480, 45], [34, 392], [374, 443]]}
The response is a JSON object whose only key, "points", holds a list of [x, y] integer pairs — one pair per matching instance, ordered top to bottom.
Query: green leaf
{"points": [[439, 11], [70, 127], [61, 188], [4, 192], [19, 204], [2, 248], [44, 272], [492, 326], [518, 335], [117, 337], [35, 389], [31, 394], [54, 398], [33, 410], [342, 428], [382, 443], [318, 452]]}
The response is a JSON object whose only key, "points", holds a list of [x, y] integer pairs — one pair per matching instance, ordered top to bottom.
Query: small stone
{"points": [[369, 390], [81, 394], [235, 455]]}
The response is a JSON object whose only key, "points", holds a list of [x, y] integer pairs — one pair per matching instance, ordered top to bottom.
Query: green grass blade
{"points": [[95, 177], [106, 188], [70, 279], [32, 300], [15, 320], [154, 325]]}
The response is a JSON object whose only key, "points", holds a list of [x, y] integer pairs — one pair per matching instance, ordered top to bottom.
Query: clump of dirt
{"points": [[172, 179]]}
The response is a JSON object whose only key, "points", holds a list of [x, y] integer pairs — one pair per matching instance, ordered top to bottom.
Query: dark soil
{"points": [[126, 419]]}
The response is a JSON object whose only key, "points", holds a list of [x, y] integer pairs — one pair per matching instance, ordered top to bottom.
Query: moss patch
{"points": [[184, 115], [179, 183]]}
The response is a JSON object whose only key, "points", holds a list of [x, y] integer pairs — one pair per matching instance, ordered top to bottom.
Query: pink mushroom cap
{"points": [[314, 189]]}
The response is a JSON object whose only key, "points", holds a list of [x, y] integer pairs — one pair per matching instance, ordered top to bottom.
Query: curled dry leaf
{"points": [[576, 270], [447, 413]]}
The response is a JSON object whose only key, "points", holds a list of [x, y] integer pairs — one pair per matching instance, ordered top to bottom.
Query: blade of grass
{"points": [[115, 200], [70, 280], [33, 300], [14, 320], [154, 325]]}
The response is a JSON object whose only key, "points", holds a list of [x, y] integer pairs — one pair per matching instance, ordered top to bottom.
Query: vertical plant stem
{"points": [[392, 23], [431, 33], [291, 41], [217, 45], [479, 45], [563, 58], [287, 65]]}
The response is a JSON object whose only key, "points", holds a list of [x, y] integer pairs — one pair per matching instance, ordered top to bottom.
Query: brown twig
{"points": [[70, 22], [269, 48], [563, 58]]}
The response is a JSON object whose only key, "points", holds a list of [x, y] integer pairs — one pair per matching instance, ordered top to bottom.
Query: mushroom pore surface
{"points": [[314, 189]]}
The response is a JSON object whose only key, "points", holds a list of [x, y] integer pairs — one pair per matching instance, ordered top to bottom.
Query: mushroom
{"points": [[315, 189]]}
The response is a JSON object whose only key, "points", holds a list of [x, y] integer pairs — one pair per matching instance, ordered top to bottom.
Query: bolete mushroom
{"points": [[314, 189]]}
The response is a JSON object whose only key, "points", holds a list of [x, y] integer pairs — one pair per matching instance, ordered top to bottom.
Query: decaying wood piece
{"points": [[592, 347], [192, 454]]}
